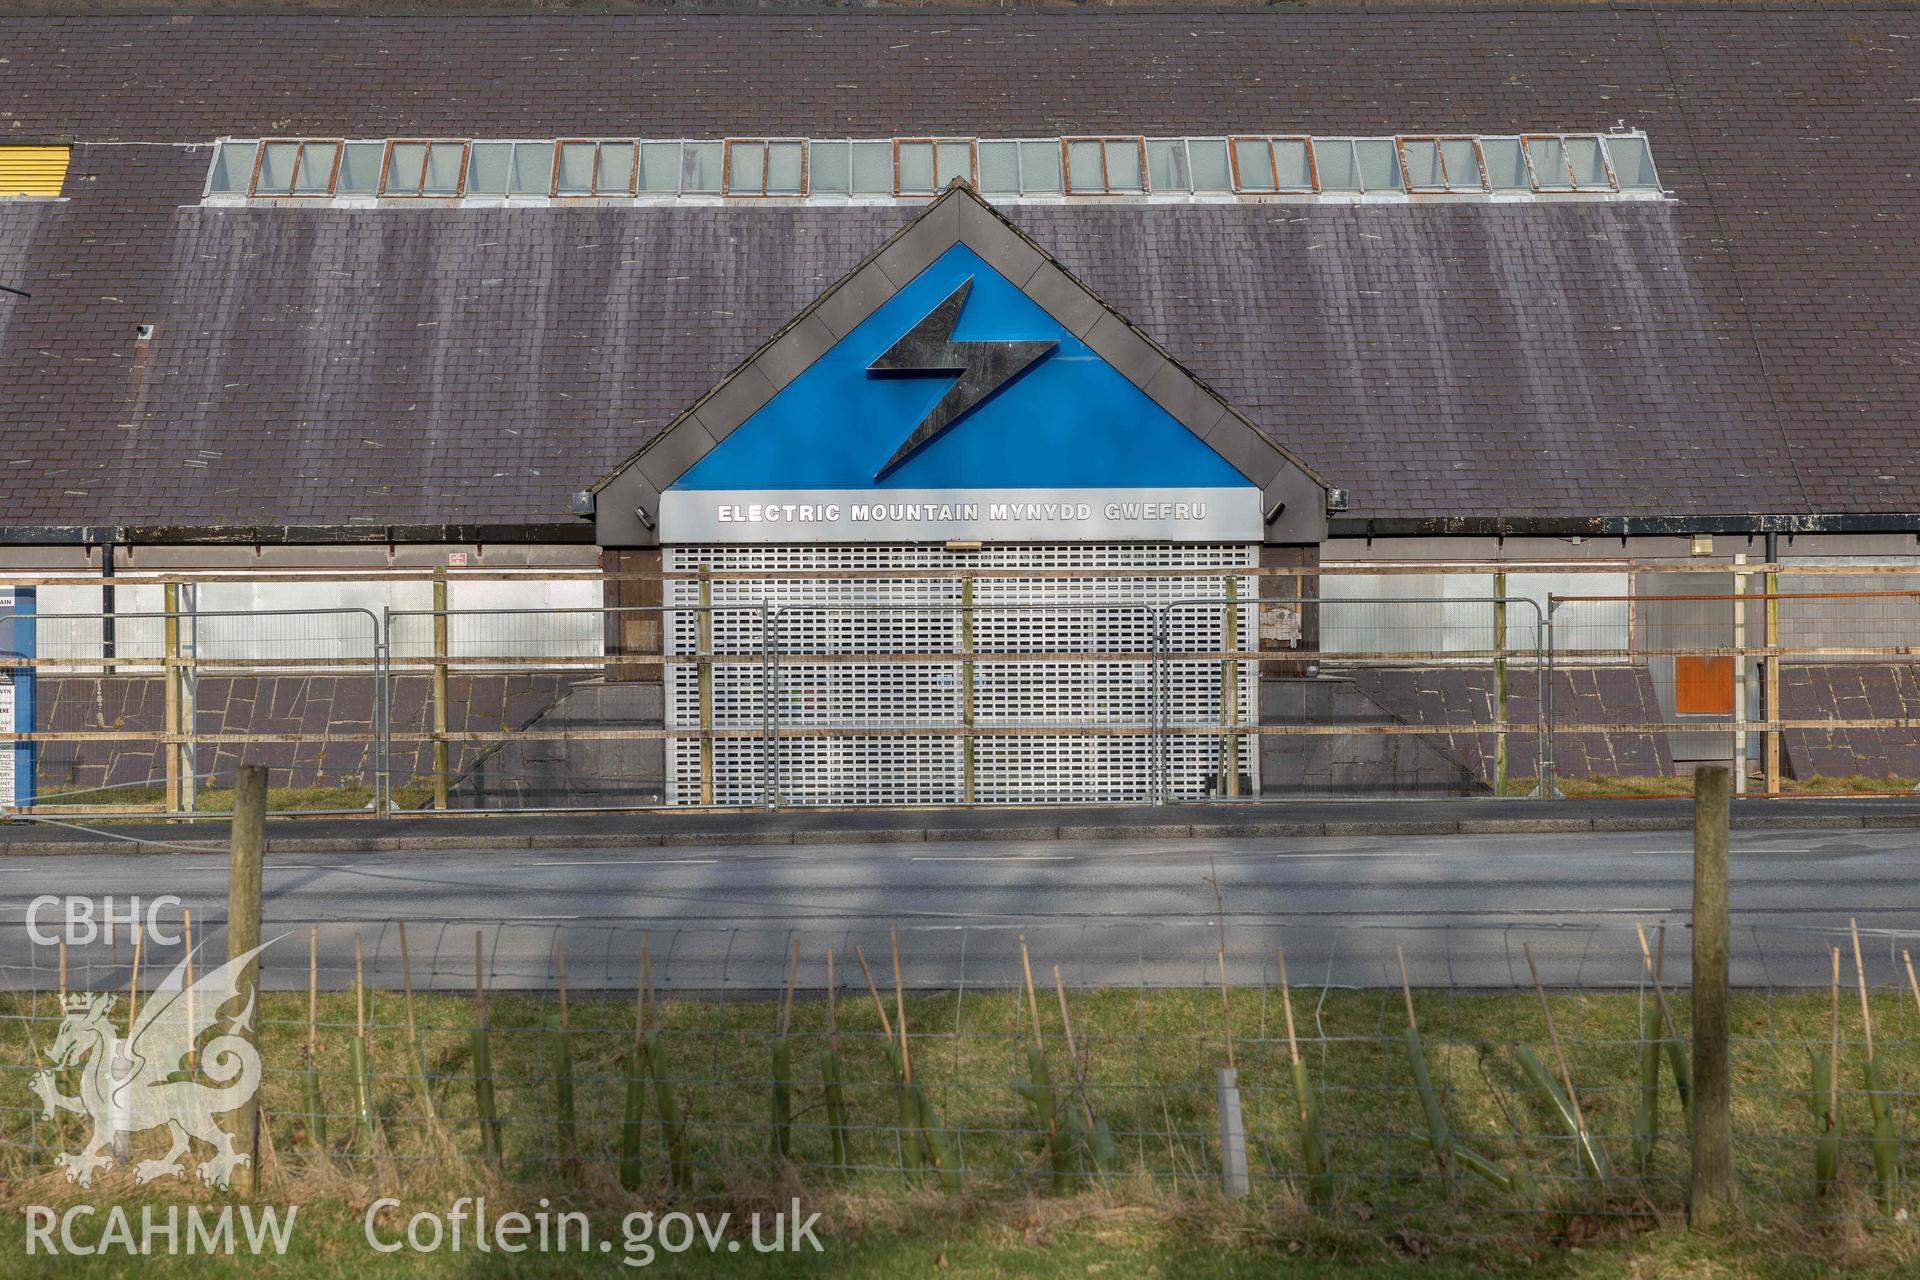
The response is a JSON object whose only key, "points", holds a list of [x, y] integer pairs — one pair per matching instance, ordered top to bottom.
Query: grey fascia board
{"points": [[926, 238], [1002, 247], [859, 296], [1065, 299], [1085, 315], [831, 317], [798, 346], [1126, 349], [733, 402], [1196, 408], [676, 449], [1250, 453], [1304, 518], [614, 521]]}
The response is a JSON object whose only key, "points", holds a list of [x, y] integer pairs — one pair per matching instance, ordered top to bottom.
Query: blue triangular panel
{"points": [[1069, 421]]}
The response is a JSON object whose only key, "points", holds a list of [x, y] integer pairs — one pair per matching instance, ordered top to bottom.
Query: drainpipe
{"points": [[106, 604], [1770, 671]]}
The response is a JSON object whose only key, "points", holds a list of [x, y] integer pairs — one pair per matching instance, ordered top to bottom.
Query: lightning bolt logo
{"points": [[983, 368]]}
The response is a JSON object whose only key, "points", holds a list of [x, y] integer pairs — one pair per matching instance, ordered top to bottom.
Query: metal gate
{"points": [[973, 684]]}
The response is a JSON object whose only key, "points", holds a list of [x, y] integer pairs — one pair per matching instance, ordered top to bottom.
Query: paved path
{"points": [[1111, 911]]}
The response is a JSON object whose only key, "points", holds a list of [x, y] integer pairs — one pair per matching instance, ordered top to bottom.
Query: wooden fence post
{"points": [[703, 657], [1771, 684], [439, 688], [170, 692], [1230, 695], [1500, 700], [1740, 716], [967, 749], [243, 932], [1711, 1191]]}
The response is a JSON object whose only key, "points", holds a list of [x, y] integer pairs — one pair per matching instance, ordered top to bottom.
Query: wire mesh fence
{"points": [[910, 685], [1802, 691], [1406, 695], [509, 708], [152, 712], [697, 1061]]}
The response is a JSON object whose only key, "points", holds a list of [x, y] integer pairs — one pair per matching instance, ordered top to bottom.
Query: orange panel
{"points": [[1703, 686]]}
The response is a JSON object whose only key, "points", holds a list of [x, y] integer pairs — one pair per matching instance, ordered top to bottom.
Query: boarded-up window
{"points": [[32, 171], [1703, 686]]}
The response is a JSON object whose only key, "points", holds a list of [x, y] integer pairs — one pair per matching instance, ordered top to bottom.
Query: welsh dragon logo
{"points": [[153, 1077]]}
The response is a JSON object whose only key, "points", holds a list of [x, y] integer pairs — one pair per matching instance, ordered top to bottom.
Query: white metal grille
{"points": [[893, 764]]}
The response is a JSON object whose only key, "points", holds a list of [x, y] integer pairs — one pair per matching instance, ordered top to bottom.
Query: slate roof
{"points": [[1753, 347]]}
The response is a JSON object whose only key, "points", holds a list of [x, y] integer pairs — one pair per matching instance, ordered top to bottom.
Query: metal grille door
{"points": [[876, 704]]}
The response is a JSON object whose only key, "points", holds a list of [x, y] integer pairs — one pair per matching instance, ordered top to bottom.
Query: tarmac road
{"points": [[1131, 911]]}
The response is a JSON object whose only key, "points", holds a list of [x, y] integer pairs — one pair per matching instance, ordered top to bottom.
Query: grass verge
{"points": [[1147, 1058]]}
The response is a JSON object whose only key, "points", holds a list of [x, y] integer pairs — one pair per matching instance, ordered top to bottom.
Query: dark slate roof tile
{"points": [[1751, 348]]}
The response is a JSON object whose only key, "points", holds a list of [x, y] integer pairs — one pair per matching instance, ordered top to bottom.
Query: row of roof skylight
{"points": [[759, 168]]}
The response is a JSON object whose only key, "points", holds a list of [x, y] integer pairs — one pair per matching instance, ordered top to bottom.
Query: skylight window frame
{"points": [[1104, 140], [1346, 141], [1599, 141], [1352, 142], [1494, 143], [1185, 145], [1646, 145], [299, 146], [599, 146], [513, 147], [1180, 147], [677, 148], [855, 148], [1013, 148], [1040, 149], [682, 151], [1025, 152], [838, 156], [426, 158], [892, 160], [973, 163], [1589, 163], [1273, 164], [766, 167], [340, 169], [1482, 183], [1572, 186], [245, 190]]}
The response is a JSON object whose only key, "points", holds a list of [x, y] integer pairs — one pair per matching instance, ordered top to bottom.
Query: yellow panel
{"points": [[32, 171]]}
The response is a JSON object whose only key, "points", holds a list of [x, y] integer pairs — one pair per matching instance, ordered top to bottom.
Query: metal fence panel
{"points": [[998, 681], [1801, 691], [153, 712]]}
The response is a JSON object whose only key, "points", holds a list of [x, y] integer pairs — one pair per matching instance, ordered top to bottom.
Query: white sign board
{"points": [[941, 515]]}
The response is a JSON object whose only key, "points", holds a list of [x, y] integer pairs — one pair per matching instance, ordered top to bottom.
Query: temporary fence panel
{"points": [[892, 674], [1801, 691], [1370, 695], [522, 709], [152, 712]]}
